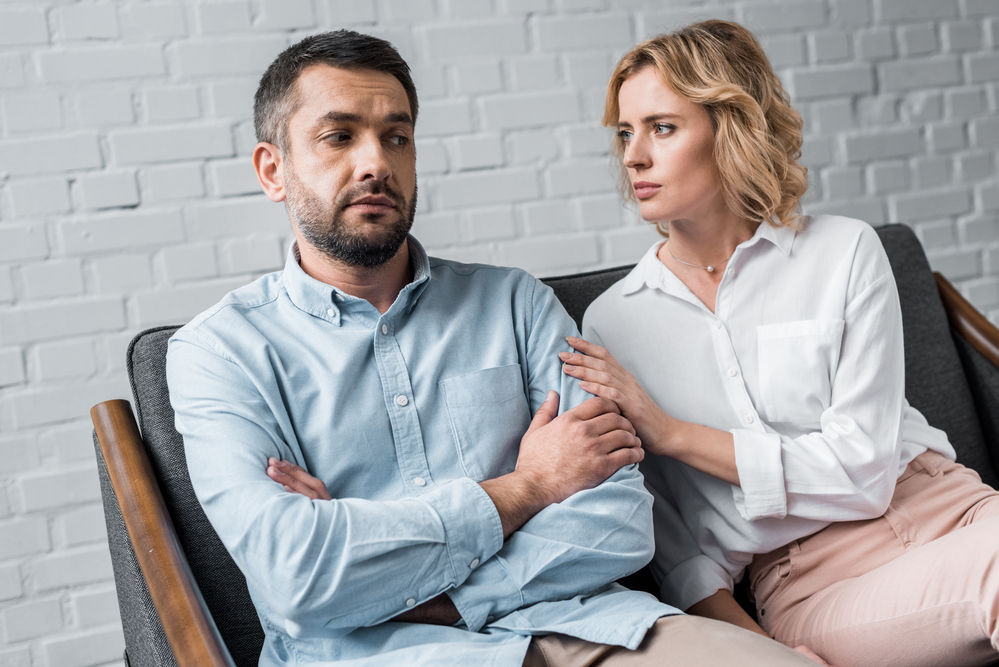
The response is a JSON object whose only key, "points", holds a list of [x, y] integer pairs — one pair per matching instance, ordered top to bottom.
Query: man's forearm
{"points": [[516, 500]]}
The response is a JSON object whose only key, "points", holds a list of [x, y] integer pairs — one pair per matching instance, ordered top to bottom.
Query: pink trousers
{"points": [[917, 586]]}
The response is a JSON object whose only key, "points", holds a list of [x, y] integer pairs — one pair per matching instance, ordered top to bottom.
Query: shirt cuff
{"points": [[761, 475], [473, 531], [693, 580], [488, 588]]}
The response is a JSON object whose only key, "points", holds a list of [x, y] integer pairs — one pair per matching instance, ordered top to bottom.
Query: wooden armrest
{"points": [[970, 323], [188, 625]]}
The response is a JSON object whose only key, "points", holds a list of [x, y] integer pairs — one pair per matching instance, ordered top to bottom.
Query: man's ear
{"points": [[268, 164]]}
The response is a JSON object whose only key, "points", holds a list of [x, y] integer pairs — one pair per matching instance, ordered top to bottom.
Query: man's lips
{"points": [[644, 189], [372, 204]]}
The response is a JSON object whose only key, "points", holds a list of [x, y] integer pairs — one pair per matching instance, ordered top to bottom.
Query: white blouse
{"points": [[802, 361]]}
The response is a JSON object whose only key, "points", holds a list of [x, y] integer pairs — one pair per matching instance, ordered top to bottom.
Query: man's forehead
{"points": [[354, 90]]}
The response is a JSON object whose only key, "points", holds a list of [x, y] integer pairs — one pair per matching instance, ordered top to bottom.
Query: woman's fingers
{"points": [[587, 348], [295, 479]]}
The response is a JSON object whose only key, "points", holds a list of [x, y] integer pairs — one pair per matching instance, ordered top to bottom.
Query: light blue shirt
{"points": [[400, 414]]}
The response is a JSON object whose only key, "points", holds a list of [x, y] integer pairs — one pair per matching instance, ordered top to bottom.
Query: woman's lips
{"points": [[644, 189]]}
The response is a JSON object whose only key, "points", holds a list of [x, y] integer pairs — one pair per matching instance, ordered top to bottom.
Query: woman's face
{"points": [[668, 143]]}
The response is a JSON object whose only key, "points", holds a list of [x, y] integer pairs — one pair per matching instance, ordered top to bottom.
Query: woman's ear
{"points": [[268, 164]]}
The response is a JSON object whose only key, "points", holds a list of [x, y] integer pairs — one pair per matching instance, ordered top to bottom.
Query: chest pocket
{"points": [[797, 365], [489, 414]]}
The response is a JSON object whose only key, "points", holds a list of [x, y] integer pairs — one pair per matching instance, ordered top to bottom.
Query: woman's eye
{"points": [[663, 128], [624, 135]]}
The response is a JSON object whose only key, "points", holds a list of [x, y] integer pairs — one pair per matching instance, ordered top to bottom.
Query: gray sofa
{"points": [[183, 600]]}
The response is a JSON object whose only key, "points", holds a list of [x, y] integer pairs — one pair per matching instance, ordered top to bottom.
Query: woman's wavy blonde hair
{"points": [[720, 66]]}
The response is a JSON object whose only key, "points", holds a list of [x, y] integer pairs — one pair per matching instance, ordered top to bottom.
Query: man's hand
{"points": [[562, 455], [294, 478]]}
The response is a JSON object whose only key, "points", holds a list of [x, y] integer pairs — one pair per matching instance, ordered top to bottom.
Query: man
{"points": [[456, 528]]}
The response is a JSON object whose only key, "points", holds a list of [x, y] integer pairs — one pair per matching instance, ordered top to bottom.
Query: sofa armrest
{"points": [[967, 321], [186, 621]]}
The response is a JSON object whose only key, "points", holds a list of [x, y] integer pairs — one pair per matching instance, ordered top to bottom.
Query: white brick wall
{"points": [[127, 199]]}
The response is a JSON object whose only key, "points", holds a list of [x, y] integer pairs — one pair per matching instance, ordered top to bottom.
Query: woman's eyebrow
{"points": [[660, 116]]}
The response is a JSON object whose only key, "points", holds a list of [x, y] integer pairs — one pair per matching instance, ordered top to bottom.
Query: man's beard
{"points": [[324, 227]]}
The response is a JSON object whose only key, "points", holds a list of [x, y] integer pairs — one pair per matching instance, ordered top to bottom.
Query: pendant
{"points": [[710, 269]]}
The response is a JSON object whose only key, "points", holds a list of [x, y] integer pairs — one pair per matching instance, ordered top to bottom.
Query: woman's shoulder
{"points": [[827, 234]]}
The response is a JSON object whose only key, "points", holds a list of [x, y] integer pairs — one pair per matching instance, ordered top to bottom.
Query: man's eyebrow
{"points": [[341, 117], [400, 117]]}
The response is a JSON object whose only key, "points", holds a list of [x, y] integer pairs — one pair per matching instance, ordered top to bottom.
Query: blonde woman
{"points": [[766, 380]]}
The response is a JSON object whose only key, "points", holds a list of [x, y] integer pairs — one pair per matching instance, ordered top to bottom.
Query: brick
{"points": [[523, 6], [469, 8], [982, 8], [915, 10], [404, 11], [348, 12], [851, 13], [285, 15], [789, 15], [222, 17], [153, 20], [87, 21], [651, 23], [23, 26], [583, 32], [962, 36], [495, 38], [916, 40], [875, 44], [829, 46], [230, 56], [101, 63], [983, 67], [587, 69], [11, 70], [533, 72], [917, 73], [478, 77], [831, 81], [235, 98], [966, 102], [172, 104], [105, 107], [922, 107], [529, 110], [878, 110], [36, 111], [834, 115], [444, 117], [985, 132], [945, 137], [585, 140], [171, 144], [883, 144], [531, 147], [816, 151], [476, 152], [64, 153], [432, 158], [974, 167], [931, 172], [233, 177], [581, 177], [169, 182], [843, 182], [492, 187], [113, 189], [39, 196], [987, 196], [926, 205], [870, 210], [600, 212], [547, 217], [237, 218], [491, 224], [437, 229], [981, 229], [121, 230], [936, 235], [18, 242], [251, 255], [551, 255], [957, 264], [122, 273], [63, 277], [6, 285], [982, 294], [179, 304], [73, 318], [64, 359], [11, 370], [38, 407], [72, 443], [19, 453], [50, 490], [82, 525], [23, 537], [70, 568], [10, 583], [95, 607], [31, 620], [92, 648], [18, 657]]}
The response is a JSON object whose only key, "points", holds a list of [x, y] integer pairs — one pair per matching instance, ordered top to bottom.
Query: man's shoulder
{"points": [[234, 307]]}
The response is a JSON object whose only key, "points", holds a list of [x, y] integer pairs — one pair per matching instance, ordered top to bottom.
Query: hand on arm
{"points": [[707, 449]]}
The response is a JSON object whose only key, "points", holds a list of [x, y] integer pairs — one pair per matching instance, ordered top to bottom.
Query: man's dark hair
{"points": [[276, 100]]}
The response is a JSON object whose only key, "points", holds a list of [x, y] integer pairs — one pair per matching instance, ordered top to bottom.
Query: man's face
{"points": [[350, 164]]}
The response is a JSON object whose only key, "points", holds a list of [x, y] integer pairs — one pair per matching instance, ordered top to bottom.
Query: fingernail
{"points": [[565, 355]]}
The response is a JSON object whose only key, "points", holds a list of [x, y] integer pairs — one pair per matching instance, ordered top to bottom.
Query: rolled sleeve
{"points": [[761, 475], [694, 580]]}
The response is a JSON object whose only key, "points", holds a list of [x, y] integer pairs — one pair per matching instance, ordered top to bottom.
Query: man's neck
{"points": [[379, 285]]}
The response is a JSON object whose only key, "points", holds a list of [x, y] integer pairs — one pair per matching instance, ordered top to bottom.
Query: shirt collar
{"points": [[649, 270], [323, 300]]}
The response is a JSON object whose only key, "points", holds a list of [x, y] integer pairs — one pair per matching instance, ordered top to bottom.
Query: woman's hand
{"points": [[600, 374], [294, 478]]}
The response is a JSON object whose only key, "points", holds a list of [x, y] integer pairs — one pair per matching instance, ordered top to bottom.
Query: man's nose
{"points": [[371, 161]]}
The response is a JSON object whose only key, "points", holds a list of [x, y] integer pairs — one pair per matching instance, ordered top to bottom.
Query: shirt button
{"points": [[331, 312], [718, 324], [384, 329], [732, 372], [401, 400], [749, 418], [419, 481], [474, 564], [411, 602]]}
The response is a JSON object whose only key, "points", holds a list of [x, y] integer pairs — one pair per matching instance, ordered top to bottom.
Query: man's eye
{"points": [[338, 137], [399, 140]]}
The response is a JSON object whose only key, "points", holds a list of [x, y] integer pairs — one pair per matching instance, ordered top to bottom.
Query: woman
{"points": [[768, 383]]}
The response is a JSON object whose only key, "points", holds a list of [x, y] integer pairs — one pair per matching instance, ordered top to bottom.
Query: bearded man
{"points": [[420, 515]]}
